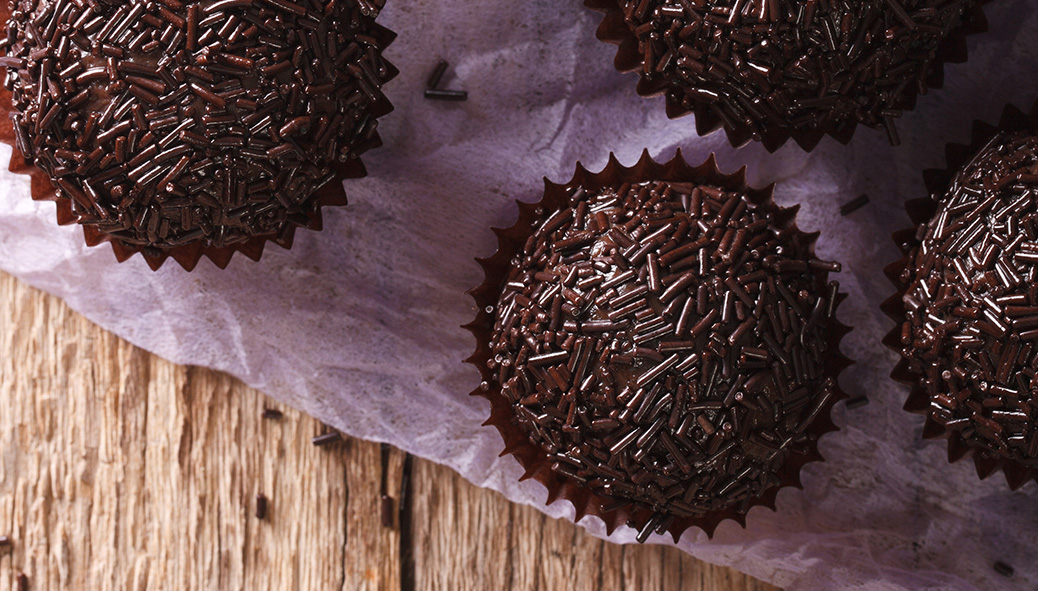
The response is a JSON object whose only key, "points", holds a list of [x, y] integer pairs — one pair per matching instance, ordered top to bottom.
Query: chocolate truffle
{"points": [[769, 70], [169, 123], [968, 311], [667, 342]]}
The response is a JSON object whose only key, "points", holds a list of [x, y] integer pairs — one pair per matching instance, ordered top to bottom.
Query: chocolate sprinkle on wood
{"points": [[771, 69], [167, 123], [971, 308], [666, 345], [272, 413], [326, 438], [261, 506], [387, 511], [5, 542], [23, 582]]}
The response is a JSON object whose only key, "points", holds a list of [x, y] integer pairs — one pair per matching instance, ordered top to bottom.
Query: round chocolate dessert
{"points": [[770, 70], [170, 123], [969, 328], [669, 345]]}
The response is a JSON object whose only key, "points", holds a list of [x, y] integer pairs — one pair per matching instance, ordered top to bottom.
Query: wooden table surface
{"points": [[122, 471]]}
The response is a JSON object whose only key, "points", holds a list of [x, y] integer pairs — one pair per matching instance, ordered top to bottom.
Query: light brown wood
{"points": [[122, 471], [472, 538]]}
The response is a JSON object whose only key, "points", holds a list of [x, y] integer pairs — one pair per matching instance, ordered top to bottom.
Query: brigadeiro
{"points": [[770, 70], [183, 129], [967, 301], [659, 345]]}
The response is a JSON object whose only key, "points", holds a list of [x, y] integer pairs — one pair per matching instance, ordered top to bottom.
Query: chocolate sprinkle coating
{"points": [[768, 70], [169, 122], [971, 303], [667, 345]]}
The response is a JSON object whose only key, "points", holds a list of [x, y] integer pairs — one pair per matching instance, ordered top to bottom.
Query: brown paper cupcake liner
{"points": [[614, 30], [331, 193], [921, 211], [517, 443]]}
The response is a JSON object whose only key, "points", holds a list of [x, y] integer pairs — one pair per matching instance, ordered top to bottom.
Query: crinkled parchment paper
{"points": [[358, 325]]}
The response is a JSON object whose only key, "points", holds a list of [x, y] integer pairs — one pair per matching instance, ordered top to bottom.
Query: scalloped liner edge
{"points": [[920, 211], [530, 456]]}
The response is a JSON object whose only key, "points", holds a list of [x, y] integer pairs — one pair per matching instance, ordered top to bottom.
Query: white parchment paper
{"points": [[358, 325]]}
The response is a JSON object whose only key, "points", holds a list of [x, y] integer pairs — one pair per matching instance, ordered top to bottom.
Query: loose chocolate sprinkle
{"points": [[761, 65], [436, 75], [432, 90], [446, 95], [170, 122], [854, 204], [971, 305], [664, 344], [858, 402], [272, 413], [326, 438], [387, 502], [261, 506], [387, 511], [404, 515], [5, 542], [1003, 569], [23, 582]]}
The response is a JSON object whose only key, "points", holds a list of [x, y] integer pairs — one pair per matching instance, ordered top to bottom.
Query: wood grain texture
{"points": [[122, 471]]}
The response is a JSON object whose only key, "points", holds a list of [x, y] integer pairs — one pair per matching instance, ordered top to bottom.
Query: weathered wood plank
{"points": [[121, 471], [469, 538]]}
